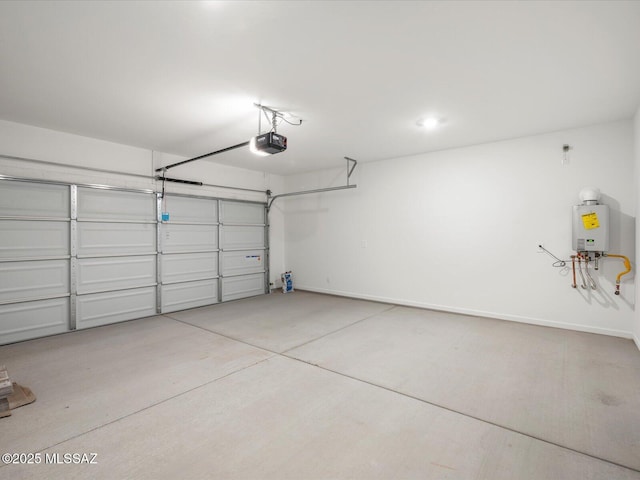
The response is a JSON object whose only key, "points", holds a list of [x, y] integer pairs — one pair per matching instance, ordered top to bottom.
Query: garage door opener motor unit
{"points": [[269, 143]]}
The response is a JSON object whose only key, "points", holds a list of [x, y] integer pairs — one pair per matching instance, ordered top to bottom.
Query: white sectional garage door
{"points": [[243, 246], [115, 250], [189, 253], [35, 256], [79, 256]]}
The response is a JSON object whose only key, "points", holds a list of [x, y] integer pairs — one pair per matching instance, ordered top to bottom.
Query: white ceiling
{"points": [[181, 77]]}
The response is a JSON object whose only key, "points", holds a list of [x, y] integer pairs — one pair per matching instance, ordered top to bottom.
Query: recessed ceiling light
{"points": [[429, 123]]}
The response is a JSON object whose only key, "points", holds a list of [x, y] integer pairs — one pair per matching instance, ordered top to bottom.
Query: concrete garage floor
{"points": [[308, 386]]}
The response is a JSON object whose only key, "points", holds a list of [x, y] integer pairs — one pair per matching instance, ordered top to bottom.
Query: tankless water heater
{"points": [[591, 228]]}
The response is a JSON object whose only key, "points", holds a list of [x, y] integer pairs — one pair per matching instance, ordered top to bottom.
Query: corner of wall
{"points": [[636, 135]]}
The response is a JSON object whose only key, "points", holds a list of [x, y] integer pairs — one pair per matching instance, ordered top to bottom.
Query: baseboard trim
{"points": [[475, 313]]}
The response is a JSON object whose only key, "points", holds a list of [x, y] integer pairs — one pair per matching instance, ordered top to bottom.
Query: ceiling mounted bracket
{"points": [[275, 116], [353, 167], [318, 190]]}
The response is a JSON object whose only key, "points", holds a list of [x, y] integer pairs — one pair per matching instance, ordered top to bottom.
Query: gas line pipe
{"points": [[627, 266]]}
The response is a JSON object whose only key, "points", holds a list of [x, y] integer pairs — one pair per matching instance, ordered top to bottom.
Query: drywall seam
{"points": [[476, 313]]}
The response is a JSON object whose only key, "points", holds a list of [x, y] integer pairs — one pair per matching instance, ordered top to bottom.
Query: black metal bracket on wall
{"points": [[177, 180]]}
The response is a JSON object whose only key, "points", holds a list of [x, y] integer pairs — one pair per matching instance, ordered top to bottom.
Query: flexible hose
{"points": [[627, 266], [592, 282], [584, 283]]}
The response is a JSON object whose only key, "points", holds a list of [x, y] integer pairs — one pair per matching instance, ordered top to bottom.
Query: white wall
{"points": [[65, 151], [636, 176], [458, 230]]}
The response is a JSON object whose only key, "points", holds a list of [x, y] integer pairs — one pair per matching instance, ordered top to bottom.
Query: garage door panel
{"points": [[24, 199], [105, 204], [191, 210], [237, 212], [242, 237], [189, 238], [28, 239], [103, 239], [243, 245], [79, 256], [241, 263], [182, 267], [102, 274], [37, 279], [234, 288], [180, 296], [110, 307], [22, 321]]}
